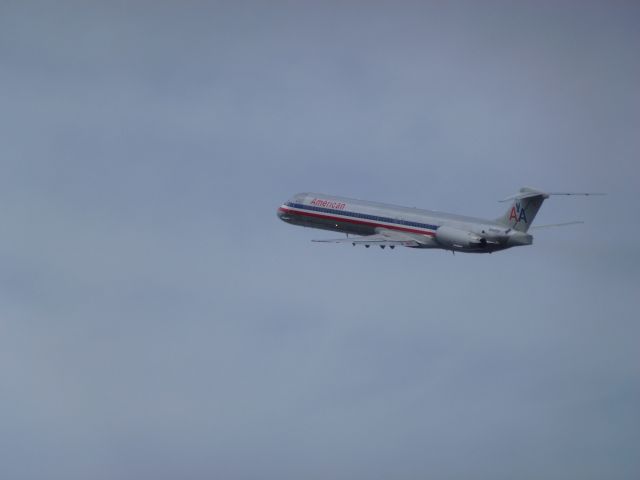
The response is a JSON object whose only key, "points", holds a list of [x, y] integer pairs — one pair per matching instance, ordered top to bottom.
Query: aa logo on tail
{"points": [[517, 213]]}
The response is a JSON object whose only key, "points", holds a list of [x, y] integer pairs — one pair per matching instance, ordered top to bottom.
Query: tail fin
{"points": [[526, 204], [523, 210]]}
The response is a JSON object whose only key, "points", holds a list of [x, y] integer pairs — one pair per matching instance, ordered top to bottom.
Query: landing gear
{"points": [[382, 247]]}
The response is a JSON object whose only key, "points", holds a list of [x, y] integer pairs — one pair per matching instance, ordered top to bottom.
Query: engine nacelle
{"points": [[450, 237], [519, 238]]}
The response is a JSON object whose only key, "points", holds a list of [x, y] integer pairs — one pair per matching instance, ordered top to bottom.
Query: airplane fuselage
{"points": [[429, 229]]}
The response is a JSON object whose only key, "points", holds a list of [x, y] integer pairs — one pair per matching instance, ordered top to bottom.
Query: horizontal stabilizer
{"points": [[525, 192], [528, 192], [585, 194]]}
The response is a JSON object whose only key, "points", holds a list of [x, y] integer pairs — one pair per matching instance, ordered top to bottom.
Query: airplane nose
{"points": [[282, 214]]}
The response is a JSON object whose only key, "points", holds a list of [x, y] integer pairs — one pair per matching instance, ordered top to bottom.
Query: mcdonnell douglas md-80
{"points": [[391, 225]]}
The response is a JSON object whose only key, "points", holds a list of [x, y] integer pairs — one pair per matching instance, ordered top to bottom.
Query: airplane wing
{"points": [[536, 227], [384, 238]]}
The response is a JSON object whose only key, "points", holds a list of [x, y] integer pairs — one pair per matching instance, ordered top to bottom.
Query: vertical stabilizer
{"points": [[523, 209]]}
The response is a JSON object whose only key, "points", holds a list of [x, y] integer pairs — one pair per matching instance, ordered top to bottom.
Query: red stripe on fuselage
{"points": [[357, 222]]}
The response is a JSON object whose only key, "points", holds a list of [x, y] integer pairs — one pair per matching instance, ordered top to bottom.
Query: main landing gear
{"points": [[381, 246]]}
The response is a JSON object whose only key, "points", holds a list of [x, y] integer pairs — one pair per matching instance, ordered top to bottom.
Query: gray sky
{"points": [[158, 321]]}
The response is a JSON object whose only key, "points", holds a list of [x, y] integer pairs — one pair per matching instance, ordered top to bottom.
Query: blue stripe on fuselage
{"points": [[364, 216]]}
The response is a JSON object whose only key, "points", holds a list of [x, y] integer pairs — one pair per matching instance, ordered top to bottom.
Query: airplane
{"points": [[391, 225]]}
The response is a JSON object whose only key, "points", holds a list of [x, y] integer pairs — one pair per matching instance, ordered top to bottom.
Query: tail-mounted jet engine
{"points": [[450, 237]]}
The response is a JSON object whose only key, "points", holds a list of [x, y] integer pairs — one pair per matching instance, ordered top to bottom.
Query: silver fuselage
{"points": [[358, 217]]}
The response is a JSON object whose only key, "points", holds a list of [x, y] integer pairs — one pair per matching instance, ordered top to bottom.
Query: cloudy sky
{"points": [[158, 321]]}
